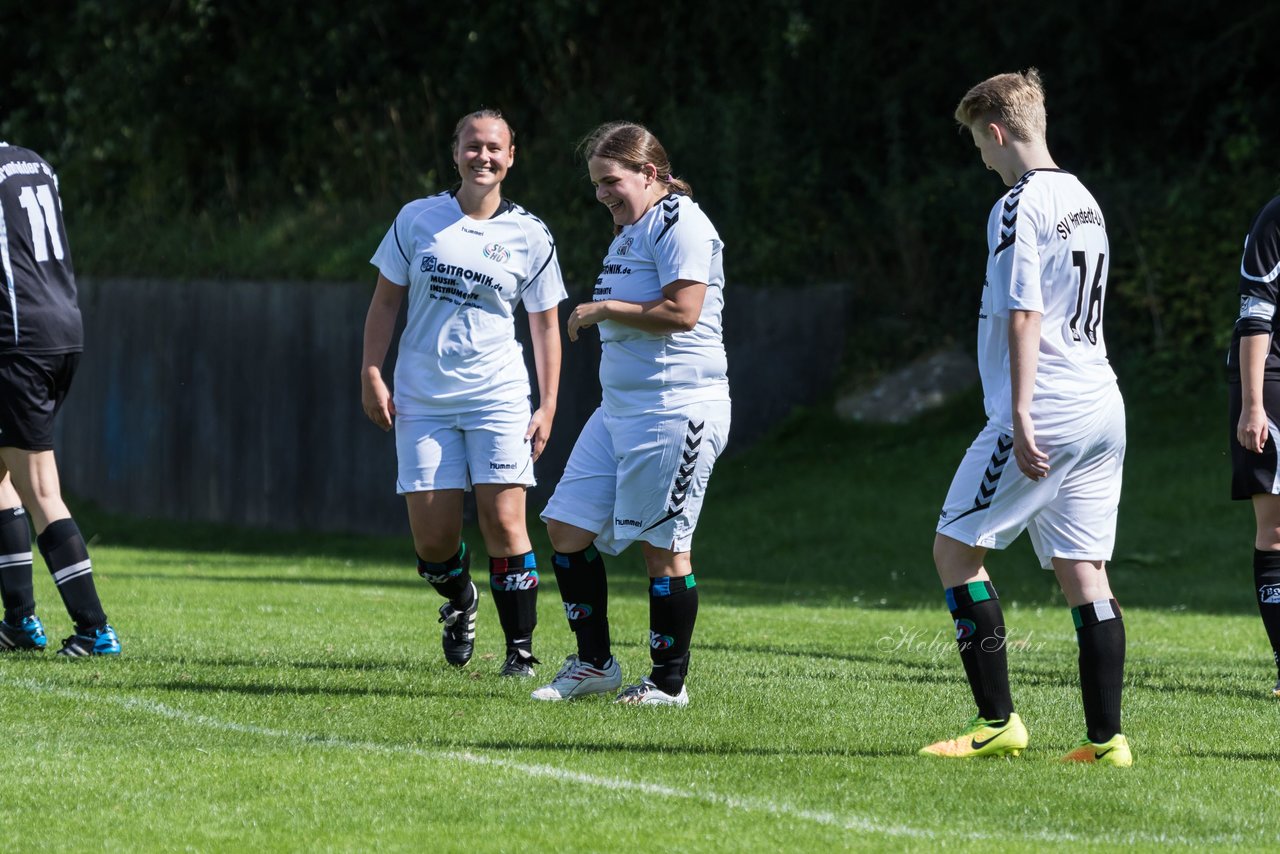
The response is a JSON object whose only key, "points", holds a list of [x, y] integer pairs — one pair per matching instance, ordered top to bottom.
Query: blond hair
{"points": [[1015, 100], [633, 146]]}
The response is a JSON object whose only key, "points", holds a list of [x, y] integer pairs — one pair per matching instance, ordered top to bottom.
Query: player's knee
{"points": [[504, 527], [1268, 537], [566, 538], [435, 546], [660, 562], [956, 562]]}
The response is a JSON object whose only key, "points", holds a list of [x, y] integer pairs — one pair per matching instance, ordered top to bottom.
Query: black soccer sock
{"points": [[67, 557], [15, 566], [1266, 578], [451, 579], [514, 581], [584, 590], [673, 609], [1100, 634], [980, 636]]}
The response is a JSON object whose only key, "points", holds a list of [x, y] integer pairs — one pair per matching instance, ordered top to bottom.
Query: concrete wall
{"points": [[239, 402]]}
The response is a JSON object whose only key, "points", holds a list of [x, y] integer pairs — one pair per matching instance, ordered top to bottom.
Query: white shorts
{"points": [[455, 451], [641, 477], [1069, 514]]}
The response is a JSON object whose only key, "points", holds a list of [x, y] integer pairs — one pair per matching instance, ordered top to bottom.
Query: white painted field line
{"points": [[751, 805]]}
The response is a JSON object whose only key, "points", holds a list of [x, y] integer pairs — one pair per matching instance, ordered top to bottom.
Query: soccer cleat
{"points": [[28, 635], [459, 636], [101, 641], [519, 663], [578, 679], [1275, 692], [648, 694], [982, 738], [1115, 751]]}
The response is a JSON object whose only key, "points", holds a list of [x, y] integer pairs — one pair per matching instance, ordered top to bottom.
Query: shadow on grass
{"points": [[321, 580], [274, 690], [1238, 755]]}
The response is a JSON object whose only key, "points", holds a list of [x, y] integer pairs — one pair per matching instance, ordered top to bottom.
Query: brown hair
{"points": [[1015, 100], [482, 113], [633, 146]]}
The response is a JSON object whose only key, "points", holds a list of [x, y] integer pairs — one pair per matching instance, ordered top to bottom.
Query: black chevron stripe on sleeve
{"points": [[670, 216]]}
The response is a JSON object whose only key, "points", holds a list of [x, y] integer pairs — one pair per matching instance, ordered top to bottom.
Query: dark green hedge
{"points": [[200, 138]]}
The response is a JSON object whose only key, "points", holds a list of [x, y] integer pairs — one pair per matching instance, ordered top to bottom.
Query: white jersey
{"points": [[1049, 254], [465, 276], [650, 372]]}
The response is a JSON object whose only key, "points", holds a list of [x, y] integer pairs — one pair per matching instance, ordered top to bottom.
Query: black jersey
{"points": [[1259, 291], [38, 310]]}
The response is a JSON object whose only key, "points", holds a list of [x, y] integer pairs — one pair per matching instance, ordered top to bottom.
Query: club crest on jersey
{"points": [[625, 246], [497, 253], [428, 263], [1269, 594]]}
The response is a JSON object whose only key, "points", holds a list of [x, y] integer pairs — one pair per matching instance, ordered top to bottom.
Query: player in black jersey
{"points": [[40, 343], [1253, 373]]}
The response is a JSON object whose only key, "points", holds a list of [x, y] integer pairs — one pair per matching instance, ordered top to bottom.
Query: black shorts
{"points": [[32, 388], [1255, 474]]}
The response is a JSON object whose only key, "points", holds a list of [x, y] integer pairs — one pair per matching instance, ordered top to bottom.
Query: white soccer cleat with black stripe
{"points": [[577, 678], [646, 693]]}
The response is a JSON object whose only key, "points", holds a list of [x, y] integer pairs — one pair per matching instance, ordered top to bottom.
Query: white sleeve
{"points": [[685, 243], [392, 256], [1024, 286], [544, 287]]}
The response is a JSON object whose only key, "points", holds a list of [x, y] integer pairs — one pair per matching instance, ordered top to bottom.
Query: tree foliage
{"points": [[231, 137]]}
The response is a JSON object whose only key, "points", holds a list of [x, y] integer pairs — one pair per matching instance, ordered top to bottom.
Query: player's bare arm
{"points": [[677, 311], [379, 326], [544, 330], [1024, 354], [1251, 430]]}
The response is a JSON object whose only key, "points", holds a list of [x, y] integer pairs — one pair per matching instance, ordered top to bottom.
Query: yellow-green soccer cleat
{"points": [[982, 738], [1114, 751]]}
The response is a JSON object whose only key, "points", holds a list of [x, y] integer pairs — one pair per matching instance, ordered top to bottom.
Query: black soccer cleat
{"points": [[27, 635], [459, 636], [101, 641], [519, 663]]}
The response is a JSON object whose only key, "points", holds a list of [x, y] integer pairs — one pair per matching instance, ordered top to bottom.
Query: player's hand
{"points": [[586, 314], [376, 400], [1251, 431], [539, 432], [1032, 461]]}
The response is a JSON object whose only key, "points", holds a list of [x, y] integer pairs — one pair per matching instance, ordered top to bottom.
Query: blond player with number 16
{"points": [[1054, 411]]}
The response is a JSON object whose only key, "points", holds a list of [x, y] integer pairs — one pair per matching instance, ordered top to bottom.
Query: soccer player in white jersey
{"points": [[41, 338], [1253, 373], [461, 407], [1055, 411], [640, 468]]}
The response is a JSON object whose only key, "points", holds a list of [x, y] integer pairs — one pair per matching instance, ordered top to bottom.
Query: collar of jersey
{"points": [[503, 206]]}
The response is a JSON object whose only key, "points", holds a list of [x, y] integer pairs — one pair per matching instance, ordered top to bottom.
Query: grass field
{"points": [[287, 692]]}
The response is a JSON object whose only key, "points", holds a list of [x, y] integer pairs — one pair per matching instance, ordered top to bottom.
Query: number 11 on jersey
{"points": [[39, 205]]}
